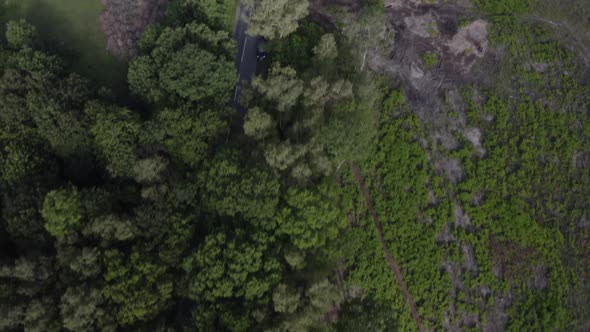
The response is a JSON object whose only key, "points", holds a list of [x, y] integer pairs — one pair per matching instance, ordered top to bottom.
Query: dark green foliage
{"points": [[20, 34], [297, 49], [185, 65], [116, 133], [186, 134], [19, 160], [233, 190], [161, 214], [80, 309], [42, 315], [366, 315]]}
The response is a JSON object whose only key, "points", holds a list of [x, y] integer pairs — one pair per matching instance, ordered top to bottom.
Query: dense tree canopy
{"points": [[275, 18], [184, 65], [169, 207]]}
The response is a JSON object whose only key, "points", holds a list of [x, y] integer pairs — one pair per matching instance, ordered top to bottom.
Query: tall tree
{"points": [[275, 18], [20, 34], [185, 65], [186, 133], [116, 134], [233, 189], [62, 211], [311, 218], [82, 309]]}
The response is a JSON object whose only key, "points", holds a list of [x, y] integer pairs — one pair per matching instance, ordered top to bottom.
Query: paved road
{"points": [[246, 57]]}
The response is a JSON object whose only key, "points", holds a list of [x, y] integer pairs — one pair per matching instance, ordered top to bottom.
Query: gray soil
{"points": [[123, 22]]}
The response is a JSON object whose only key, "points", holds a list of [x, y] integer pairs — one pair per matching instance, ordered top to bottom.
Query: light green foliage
{"points": [[509, 7], [275, 18], [372, 30], [20, 33], [326, 50], [430, 59], [185, 65], [281, 86], [316, 95], [394, 102], [299, 112], [258, 124], [116, 133], [348, 134], [283, 155], [150, 170], [232, 189], [524, 194], [548, 196], [401, 200], [62, 211], [311, 217], [110, 228], [295, 258], [135, 285], [323, 295], [320, 297], [285, 299], [81, 310]]}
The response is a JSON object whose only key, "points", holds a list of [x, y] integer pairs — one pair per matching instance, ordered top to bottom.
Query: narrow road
{"points": [[246, 59], [388, 255]]}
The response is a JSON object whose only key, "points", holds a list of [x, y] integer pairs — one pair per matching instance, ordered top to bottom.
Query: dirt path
{"points": [[392, 264]]}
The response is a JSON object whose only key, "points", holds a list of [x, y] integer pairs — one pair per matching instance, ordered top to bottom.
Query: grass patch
{"points": [[230, 14], [72, 27], [430, 59]]}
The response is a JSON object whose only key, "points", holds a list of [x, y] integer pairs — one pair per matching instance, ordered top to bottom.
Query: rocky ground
{"points": [[123, 22]]}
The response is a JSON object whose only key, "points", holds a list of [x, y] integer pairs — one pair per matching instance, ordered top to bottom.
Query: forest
{"points": [[393, 165]]}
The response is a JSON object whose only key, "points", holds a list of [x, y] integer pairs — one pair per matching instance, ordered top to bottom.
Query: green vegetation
{"points": [[273, 19], [73, 27], [430, 59], [174, 213]]}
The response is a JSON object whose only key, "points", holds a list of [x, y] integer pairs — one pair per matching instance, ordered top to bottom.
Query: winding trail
{"points": [[389, 256]]}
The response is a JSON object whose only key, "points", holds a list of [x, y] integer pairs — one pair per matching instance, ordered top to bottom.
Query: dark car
{"points": [[261, 55]]}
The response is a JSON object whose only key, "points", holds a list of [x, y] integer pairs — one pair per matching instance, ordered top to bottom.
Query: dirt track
{"points": [[123, 22], [390, 260]]}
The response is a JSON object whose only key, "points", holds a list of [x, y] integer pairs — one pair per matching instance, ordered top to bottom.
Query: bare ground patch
{"points": [[123, 22]]}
